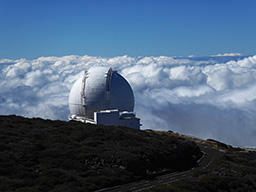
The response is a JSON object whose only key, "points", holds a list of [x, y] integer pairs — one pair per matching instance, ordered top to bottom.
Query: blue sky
{"points": [[108, 28]]}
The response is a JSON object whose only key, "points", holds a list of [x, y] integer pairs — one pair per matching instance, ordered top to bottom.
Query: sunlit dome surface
{"points": [[100, 88]]}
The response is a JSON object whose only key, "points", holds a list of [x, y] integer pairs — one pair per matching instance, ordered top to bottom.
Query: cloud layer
{"points": [[208, 97]]}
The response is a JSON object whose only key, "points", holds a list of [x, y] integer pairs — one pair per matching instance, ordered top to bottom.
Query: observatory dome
{"points": [[100, 88]]}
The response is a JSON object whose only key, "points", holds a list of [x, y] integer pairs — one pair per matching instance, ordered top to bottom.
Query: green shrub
{"points": [[45, 155]]}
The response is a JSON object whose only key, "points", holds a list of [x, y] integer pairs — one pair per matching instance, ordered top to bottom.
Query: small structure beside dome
{"points": [[103, 96]]}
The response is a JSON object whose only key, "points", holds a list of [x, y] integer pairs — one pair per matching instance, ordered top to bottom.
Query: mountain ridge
{"points": [[47, 155]]}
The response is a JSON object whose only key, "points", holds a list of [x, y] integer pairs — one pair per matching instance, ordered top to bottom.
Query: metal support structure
{"points": [[108, 85], [82, 93]]}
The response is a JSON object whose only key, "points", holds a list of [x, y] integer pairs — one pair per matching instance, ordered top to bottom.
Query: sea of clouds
{"points": [[207, 97]]}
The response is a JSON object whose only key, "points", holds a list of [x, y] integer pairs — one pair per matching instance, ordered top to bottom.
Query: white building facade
{"points": [[116, 118]]}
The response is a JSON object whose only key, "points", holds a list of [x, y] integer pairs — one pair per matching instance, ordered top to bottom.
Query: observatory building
{"points": [[102, 96]]}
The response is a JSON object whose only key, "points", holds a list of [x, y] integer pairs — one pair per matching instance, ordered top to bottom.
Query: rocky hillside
{"points": [[45, 155]]}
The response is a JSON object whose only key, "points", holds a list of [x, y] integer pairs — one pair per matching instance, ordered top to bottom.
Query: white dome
{"points": [[100, 88]]}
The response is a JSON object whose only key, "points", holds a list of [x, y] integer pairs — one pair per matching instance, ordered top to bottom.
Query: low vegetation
{"points": [[45, 155], [235, 171]]}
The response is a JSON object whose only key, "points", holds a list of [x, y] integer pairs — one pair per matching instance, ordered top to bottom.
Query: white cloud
{"points": [[228, 54], [209, 97]]}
